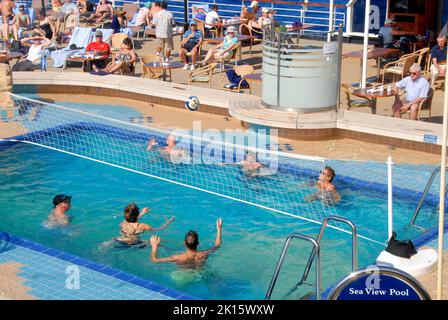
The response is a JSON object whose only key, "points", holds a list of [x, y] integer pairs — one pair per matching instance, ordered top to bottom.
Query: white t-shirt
{"points": [[211, 18], [35, 53]]}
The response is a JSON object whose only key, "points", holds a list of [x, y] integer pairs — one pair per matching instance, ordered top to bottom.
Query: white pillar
{"points": [[330, 20], [366, 43], [442, 199]]}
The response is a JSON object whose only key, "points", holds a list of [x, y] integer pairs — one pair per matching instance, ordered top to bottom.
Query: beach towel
{"points": [[81, 38]]}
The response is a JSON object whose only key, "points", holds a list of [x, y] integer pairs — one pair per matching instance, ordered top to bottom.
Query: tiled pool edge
{"points": [[86, 263]]}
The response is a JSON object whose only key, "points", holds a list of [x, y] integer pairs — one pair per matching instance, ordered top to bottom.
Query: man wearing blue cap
{"points": [[144, 15], [192, 40]]}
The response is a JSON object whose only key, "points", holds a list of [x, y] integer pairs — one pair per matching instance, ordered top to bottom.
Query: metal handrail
{"points": [[422, 199], [319, 238], [316, 250]]}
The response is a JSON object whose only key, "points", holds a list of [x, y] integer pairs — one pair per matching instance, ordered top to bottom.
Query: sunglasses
{"points": [[414, 73]]}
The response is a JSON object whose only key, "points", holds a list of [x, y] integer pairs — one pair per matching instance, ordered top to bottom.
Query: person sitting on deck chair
{"points": [[103, 11], [191, 42], [37, 47], [99, 49], [224, 49], [438, 57], [123, 59], [417, 89], [191, 257]]}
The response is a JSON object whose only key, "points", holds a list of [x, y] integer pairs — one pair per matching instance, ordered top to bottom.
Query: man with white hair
{"points": [[438, 56], [417, 89]]}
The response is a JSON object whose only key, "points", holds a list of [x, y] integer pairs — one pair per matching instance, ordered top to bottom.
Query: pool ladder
{"points": [[422, 199], [315, 255]]}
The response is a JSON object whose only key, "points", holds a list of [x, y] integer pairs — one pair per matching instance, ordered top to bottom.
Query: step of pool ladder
{"points": [[422, 199], [315, 255]]}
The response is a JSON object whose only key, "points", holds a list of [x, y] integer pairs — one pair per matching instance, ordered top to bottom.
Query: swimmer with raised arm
{"points": [[170, 152], [326, 189], [131, 228], [191, 257]]}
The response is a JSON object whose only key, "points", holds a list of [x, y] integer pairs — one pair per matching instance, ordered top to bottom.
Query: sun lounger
{"points": [[80, 39]]}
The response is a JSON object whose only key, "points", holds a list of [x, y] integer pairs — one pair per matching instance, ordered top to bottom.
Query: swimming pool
{"points": [[252, 236]]}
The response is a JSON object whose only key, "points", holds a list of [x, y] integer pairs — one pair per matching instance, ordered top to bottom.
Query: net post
{"points": [[389, 197]]}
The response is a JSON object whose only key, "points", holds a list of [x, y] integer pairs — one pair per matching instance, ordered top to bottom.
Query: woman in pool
{"points": [[326, 190], [131, 229]]}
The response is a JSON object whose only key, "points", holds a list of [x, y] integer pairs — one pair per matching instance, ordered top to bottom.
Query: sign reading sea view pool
{"points": [[300, 73], [379, 283]]}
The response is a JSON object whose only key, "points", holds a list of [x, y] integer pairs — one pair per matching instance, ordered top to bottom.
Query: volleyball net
{"points": [[243, 167]]}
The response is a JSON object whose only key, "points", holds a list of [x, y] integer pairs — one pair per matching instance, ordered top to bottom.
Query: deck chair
{"points": [[134, 28], [247, 29], [80, 39], [116, 41], [233, 57], [400, 67], [148, 70], [242, 71], [203, 74], [356, 102], [424, 105]]}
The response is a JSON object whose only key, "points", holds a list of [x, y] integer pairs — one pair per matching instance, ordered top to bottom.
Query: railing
{"points": [[317, 16], [422, 199], [316, 249], [315, 255]]}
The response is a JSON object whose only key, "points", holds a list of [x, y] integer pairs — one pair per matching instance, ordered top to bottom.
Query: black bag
{"points": [[16, 46], [400, 248]]}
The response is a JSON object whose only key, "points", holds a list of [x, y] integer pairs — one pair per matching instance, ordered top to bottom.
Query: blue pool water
{"points": [[252, 237]]}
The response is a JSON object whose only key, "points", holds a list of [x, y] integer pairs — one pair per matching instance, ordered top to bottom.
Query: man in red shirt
{"points": [[100, 50]]}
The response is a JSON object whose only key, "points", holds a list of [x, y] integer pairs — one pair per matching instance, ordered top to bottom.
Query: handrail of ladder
{"points": [[422, 199], [319, 238], [316, 249]]}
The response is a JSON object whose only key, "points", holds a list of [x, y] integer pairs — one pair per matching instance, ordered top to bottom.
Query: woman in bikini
{"points": [[123, 60], [131, 228]]}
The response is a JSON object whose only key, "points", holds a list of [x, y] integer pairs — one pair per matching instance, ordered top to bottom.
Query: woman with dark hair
{"points": [[46, 25], [123, 59], [131, 228]]}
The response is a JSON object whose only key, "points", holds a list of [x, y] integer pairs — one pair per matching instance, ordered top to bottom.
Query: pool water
{"points": [[252, 237]]}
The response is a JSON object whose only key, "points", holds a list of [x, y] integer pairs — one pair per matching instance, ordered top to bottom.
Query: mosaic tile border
{"points": [[82, 262]]}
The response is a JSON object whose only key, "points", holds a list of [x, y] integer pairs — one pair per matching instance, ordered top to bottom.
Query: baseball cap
{"points": [[148, 4], [253, 4], [265, 10], [193, 23], [98, 33], [61, 198]]}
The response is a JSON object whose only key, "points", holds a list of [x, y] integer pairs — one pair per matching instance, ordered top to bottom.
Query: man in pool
{"points": [[171, 152], [250, 166], [326, 189], [62, 205], [191, 257]]}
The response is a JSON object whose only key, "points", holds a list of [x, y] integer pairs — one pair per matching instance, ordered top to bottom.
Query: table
{"points": [[241, 37], [375, 53], [10, 56], [84, 58], [165, 66], [253, 77], [374, 96]]}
